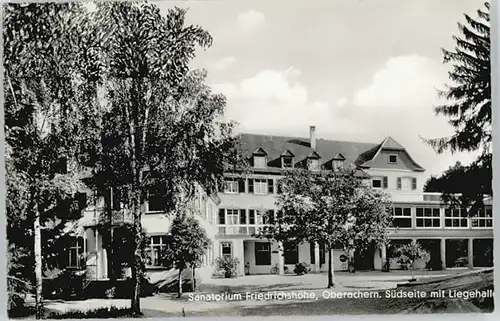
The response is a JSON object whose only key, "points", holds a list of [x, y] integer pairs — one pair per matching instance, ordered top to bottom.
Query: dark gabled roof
{"points": [[390, 144], [275, 146], [259, 151], [287, 153], [357, 154], [314, 155], [367, 155], [339, 156], [365, 160]]}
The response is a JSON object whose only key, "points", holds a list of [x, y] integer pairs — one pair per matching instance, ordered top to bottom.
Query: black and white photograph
{"points": [[247, 158]]}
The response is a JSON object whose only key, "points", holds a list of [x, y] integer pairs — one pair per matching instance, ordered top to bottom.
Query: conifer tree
{"points": [[468, 108]]}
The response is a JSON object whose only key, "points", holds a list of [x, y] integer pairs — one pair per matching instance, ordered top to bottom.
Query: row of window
{"points": [[287, 161], [313, 161], [402, 183], [251, 185], [260, 186], [156, 202], [244, 217], [425, 217], [430, 217], [157, 245]]}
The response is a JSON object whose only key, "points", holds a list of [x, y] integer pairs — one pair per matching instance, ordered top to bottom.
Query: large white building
{"points": [[235, 214], [452, 238]]}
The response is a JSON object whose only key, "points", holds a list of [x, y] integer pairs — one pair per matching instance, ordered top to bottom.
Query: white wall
{"points": [[400, 195], [248, 200], [156, 223], [159, 223], [153, 224], [237, 252], [248, 255], [97, 264], [337, 264]]}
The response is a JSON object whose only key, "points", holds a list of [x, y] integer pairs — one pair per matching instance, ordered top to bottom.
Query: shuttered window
{"points": [[241, 185], [250, 185], [270, 186], [222, 216], [243, 216]]}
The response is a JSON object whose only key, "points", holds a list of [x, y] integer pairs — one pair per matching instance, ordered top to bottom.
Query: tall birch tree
{"points": [[47, 94], [164, 129]]}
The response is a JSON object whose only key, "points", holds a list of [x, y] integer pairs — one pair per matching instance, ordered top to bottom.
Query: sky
{"points": [[358, 70]]}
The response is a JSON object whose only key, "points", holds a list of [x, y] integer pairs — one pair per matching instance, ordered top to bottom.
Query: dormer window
{"points": [[259, 158], [287, 159], [393, 159], [259, 161], [313, 161], [314, 164], [338, 164]]}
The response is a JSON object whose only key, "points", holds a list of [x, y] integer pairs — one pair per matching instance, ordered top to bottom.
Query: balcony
{"points": [[432, 197], [241, 230]]}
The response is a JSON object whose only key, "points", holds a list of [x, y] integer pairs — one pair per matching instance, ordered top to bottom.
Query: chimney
{"points": [[312, 132]]}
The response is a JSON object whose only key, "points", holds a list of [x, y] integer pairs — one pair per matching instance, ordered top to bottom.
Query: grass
{"points": [[102, 313], [113, 313]]}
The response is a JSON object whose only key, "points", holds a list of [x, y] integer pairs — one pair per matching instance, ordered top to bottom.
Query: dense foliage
{"points": [[116, 106], [468, 108], [45, 121], [161, 131], [329, 208], [188, 244], [409, 253], [228, 265]]}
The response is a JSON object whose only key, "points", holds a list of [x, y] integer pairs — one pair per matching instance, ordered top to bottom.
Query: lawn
{"points": [[382, 305], [167, 306]]}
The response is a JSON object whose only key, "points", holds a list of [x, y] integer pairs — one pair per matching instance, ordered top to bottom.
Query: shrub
{"points": [[410, 253], [404, 262], [228, 265], [302, 268], [18, 280], [64, 284], [17, 289], [110, 293], [92, 314]]}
